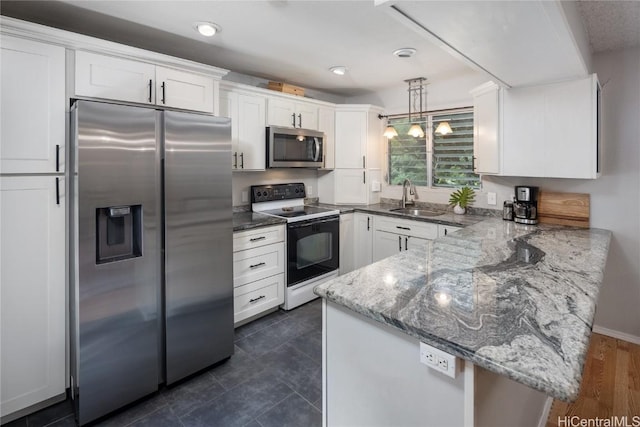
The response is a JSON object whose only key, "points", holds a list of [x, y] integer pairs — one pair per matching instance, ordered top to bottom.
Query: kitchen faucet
{"points": [[404, 203]]}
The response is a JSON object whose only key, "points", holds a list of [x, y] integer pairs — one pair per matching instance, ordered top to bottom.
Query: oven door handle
{"points": [[307, 223]]}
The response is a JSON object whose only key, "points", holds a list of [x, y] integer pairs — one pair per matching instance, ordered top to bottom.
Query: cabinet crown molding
{"points": [[74, 41]]}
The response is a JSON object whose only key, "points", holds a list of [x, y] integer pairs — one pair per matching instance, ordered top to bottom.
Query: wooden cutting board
{"points": [[564, 208]]}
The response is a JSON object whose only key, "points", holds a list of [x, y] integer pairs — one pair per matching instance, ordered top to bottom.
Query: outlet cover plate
{"points": [[439, 360]]}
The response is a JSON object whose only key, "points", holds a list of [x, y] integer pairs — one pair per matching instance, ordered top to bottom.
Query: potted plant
{"points": [[461, 199]]}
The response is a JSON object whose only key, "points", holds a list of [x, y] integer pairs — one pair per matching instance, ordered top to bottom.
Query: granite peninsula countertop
{"points": [[516, 300]]}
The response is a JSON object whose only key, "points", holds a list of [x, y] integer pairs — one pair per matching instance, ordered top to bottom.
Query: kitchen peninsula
{"points": [[515, 302]]}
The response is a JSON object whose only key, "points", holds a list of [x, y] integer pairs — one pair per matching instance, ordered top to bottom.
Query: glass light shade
{"points": [[444, 128], [416, 131], [390, 132]]}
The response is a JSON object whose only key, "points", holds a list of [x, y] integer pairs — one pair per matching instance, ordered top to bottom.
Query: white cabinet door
{"points": [[101, 76], [180, 89], [228, 105], [32, 111], [281, 112], [288, 113], [306, 116], [327, 124], [486, 129], [552, 130], [251, 132], [524, 135], [351, 139], [351, 186], [445, 230], [363, 240], [410, 242], [346, 243], [386, 244], [32, 291]]}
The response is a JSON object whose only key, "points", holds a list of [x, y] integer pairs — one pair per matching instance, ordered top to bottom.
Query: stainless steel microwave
{"points": [[294, 148]]}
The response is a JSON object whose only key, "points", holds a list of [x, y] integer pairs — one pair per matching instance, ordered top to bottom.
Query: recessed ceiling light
{"points": [[207, 29], [405, 52], [339, 70]]}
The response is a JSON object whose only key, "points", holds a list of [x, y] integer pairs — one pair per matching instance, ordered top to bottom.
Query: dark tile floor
{"points": [[273, 379]]}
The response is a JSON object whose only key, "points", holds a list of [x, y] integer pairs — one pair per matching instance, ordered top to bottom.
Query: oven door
{"points": [[313, 248]]}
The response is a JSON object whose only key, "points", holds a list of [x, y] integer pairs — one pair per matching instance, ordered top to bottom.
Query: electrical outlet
{"points": [[309, 190], [244, 197], [491, 198], [439, 360]]}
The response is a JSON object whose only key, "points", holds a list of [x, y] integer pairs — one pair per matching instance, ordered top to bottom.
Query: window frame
{"points": [[428, 117]]}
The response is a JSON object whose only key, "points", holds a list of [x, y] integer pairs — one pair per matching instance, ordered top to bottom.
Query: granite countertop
{"points": [[248, 220], [514, 299]]}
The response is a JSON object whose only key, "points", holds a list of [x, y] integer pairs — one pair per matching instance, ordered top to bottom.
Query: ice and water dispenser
{"points": [[118, 233]]}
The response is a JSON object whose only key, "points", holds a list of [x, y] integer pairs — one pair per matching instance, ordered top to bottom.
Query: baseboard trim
{"points": [[616, 334], [542, 422]]}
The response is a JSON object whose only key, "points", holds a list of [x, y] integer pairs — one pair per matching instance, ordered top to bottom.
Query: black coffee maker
{"points": [[525, 207]]}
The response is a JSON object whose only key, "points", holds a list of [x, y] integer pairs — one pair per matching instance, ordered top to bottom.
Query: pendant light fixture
{"points": [[415, 98], [444, 128], [390, 132]]}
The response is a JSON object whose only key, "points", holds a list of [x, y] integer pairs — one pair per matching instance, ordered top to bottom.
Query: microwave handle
{"points": [[316, 144]]}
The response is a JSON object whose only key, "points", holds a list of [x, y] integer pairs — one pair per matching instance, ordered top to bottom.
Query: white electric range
{"points": [[313, 238]]}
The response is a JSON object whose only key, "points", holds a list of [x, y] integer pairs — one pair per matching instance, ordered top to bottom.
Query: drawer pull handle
{"points": [[403, 228], [255, 239], [260, 264], [256, 299]]}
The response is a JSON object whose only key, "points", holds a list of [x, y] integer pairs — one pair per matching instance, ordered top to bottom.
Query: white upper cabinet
{"points": [[100, 76], [108, 77], [180, 89], [289, 113], [32, 115], [327, 124], [248, 128], [486, 129], [552, 130], [549, 131], [358, 138]]}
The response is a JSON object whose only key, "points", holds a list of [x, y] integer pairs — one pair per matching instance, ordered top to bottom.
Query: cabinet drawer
{"points": [[424, 230], [257, 237], [254, 264], [256, 297]]}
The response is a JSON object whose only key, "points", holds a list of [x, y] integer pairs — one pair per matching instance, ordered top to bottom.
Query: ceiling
{"points": [[294, 41]]}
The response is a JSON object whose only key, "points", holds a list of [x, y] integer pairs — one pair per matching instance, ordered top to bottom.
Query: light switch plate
{"points": [[244, 196], [491, 198]]}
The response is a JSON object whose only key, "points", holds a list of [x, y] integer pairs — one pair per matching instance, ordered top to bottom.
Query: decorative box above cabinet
{"points": [[108, 77]]}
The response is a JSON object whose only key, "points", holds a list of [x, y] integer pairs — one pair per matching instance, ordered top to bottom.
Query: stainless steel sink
{"points": [[417, 212]]}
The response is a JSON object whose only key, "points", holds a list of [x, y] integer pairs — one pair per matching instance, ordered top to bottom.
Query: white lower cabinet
{"points": [[445, 230], [363, 235], [393, 235], [346, 243], [258, 271], [32, 291]]}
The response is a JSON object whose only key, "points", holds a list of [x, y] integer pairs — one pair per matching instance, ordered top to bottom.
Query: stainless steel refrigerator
{"points": [[151, 276]]}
